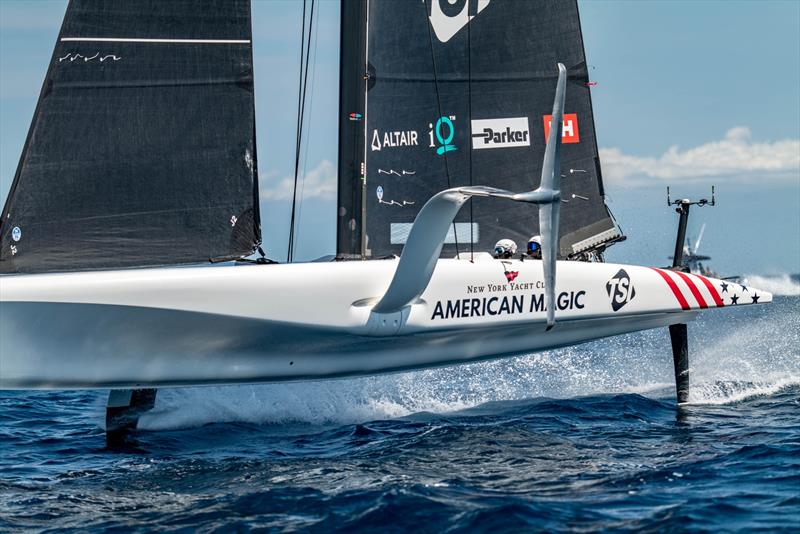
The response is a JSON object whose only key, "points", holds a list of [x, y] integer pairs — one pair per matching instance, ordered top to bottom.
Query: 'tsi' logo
{"points": [[620, 289]]}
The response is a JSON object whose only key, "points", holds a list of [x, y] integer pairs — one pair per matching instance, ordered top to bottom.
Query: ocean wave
{"points": [[783, 284], [564, 373], [731, 392]]}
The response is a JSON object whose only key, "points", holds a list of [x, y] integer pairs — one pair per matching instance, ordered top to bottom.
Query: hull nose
{"points": [[735, 294]]}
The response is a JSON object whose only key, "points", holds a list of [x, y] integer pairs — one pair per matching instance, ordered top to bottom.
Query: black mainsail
{"points": [[439, 94], [142, 147]]}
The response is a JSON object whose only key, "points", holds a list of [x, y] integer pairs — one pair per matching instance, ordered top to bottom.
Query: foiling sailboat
{"points": [[141, 159]]}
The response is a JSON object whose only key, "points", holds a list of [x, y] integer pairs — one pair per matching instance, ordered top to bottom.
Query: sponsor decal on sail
{"points": [[448, 17], [74, 56], [569, 128], [500, 133], [442, 134], [393, 139], [399, 173], [379, 193]]}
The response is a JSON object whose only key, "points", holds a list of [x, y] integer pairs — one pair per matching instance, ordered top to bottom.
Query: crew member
{"points": [[535, 247], [505, 249]]}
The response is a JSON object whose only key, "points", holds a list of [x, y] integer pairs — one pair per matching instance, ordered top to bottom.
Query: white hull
{"points": [[237, 324]]}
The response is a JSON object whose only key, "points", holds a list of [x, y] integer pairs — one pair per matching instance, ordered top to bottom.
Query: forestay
{"points": [[440, 94], [142, 147]]}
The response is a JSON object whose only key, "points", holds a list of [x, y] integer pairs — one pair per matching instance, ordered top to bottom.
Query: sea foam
{"points": [[782, 284], [735, 354]]}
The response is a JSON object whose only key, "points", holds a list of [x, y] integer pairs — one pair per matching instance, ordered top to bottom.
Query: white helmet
{"points": [[535, 245], [505, 248]]}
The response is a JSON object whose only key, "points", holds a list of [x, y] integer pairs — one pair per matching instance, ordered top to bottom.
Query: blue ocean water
{"points": [[582, 438]]}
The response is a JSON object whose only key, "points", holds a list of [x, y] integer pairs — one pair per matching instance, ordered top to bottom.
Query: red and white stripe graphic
{"points": [[691, 290], [716, 298]]}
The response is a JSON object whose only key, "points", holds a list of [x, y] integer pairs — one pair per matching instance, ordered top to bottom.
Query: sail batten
{"points": [[151, 40], [460, 93], [142, 148]]}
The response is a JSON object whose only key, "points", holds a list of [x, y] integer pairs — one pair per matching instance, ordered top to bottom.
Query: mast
{"points": [[350, 237]]}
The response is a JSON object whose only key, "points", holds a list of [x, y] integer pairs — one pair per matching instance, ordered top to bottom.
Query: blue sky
{"points": [[689, 94]]}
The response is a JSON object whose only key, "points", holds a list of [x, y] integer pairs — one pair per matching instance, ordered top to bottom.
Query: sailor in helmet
{"points": [[535, 247], [505, 249]]}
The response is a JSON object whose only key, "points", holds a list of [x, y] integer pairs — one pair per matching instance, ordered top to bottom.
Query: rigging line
{"points": [[311, 33], [469, 106], [439, 108], [301, 110], [308, 127], [297, 131]]}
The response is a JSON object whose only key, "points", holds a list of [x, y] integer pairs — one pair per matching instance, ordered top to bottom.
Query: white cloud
{"points": [[735, 157], [320, 182]]}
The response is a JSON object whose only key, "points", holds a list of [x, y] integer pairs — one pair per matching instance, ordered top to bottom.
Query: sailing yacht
{"points": [[460, 124], [694, 262]]}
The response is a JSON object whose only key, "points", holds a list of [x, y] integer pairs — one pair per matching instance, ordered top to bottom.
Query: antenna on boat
{"points": [[683, 205], [678, 333]]}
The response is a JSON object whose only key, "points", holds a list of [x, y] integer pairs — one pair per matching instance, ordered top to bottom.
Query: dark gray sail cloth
{"points": [[455, 94], [142, 148]]}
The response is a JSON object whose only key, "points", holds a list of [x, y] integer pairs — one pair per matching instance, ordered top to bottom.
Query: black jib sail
{"points": [[444, 93], [142, 147]]}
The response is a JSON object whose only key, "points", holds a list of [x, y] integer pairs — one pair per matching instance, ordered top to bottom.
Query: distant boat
{"points": [[141, 157], [694, 262]]}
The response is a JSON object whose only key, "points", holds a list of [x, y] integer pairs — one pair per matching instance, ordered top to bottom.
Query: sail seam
{"points": [[143, 40], [305, 49], [146, 83], [138, 214]]}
